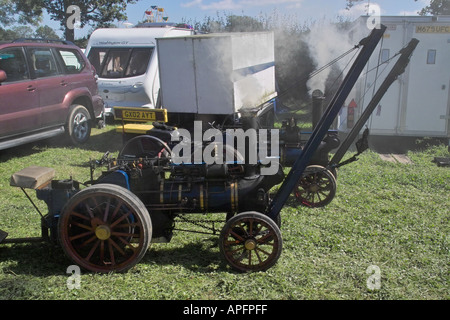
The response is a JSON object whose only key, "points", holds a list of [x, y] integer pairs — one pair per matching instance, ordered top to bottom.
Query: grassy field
{"points": [[388, 222]]}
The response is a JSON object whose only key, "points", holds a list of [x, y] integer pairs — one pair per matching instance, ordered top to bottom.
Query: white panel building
{"points": [[418, 102]]}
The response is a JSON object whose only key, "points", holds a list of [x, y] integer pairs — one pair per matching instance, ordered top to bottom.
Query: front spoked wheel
{"points": [[316, 188], [105, 228], [250, 241]]}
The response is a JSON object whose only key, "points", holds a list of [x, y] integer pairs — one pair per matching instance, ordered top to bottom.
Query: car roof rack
{"points": [[43, 40]]}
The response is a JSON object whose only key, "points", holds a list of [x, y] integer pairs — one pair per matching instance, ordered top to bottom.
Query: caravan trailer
{"points": [[127, 64]]}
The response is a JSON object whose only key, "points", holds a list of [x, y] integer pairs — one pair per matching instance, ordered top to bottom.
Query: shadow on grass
{"points": [[102, 140], [22, 151], [200, 256], [37, 259], [45, 259]]}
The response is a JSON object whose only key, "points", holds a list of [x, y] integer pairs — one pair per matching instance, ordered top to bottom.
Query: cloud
{"points": [[192, 3], [255, 3], [420, 3], [239, 4], [215, 5], [221, 5]]}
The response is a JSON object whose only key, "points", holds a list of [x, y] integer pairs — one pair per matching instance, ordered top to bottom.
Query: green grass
{"points": [[390, 215]]}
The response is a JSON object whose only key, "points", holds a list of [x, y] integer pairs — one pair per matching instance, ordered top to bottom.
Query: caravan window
{"points": [[96, 57], [120, 62], [138, 62], [115, 64]]}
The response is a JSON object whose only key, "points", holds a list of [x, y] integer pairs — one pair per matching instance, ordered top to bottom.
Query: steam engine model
{"points": [[316, 187], [169, 189], [143, 194], [107, 224]]}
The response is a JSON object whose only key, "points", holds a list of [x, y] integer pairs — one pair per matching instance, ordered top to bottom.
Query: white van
{"points": [[127, 64]]}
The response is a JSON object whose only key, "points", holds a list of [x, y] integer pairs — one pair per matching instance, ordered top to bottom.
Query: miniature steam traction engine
{"points": [[107, 224]]}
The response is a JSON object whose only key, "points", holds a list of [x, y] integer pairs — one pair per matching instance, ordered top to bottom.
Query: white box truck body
{"points": [[127, 64], [216, 74], [418, 103]]}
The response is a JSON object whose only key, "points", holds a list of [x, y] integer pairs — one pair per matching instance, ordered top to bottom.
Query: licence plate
{"points": [[139, 115]]}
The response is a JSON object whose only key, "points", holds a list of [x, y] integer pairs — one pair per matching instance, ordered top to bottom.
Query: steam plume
{"points": [[326, 42]]}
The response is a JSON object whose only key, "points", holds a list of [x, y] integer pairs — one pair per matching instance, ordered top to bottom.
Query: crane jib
{"points": [[368, 46], [397, 70]]}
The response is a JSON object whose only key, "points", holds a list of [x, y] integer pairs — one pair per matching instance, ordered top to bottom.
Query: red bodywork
{"points": [[31, 102]]}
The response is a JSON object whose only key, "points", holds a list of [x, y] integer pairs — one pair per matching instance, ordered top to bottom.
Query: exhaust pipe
{"points": [[317, 107]]}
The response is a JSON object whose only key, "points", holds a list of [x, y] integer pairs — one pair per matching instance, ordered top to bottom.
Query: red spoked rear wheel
{"points": [[105, 228]]}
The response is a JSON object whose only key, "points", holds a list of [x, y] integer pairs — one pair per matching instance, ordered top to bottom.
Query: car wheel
{"points": [[79, 124]]}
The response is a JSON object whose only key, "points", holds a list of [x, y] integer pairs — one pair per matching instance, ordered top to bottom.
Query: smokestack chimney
{"points": [[317, 106], [249, 121]]}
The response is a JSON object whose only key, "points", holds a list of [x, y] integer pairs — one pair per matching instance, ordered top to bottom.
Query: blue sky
{"points": [[303, 9], [300, 11]]}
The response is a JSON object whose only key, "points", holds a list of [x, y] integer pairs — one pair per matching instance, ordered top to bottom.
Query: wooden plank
{"points": [[387, 157], [396, 158], [402, 158]]}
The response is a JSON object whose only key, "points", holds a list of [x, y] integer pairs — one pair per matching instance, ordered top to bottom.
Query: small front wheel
{"points": [[316, 188], [250, 241]]}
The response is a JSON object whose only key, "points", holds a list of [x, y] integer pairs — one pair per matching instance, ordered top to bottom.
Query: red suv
{"points": [[46, 88]]}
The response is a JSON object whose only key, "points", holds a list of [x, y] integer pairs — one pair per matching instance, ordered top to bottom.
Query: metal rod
{"points": [[369, 44], [37, 209], [193, 231], [23, 240]]}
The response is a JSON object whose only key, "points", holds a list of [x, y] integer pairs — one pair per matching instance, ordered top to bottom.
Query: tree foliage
{"points": [[351, 3], [436, 7], [22, 11], [95, 13], [98, 13], [228, 23], [24, 31], [45, 32]]}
